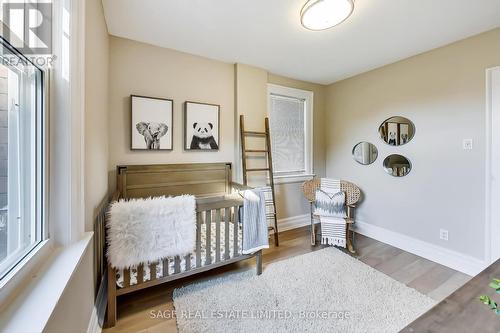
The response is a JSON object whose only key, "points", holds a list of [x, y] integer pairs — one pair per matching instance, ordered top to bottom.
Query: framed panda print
{"points": [[151, 123], [201, 126], [392, 130]]}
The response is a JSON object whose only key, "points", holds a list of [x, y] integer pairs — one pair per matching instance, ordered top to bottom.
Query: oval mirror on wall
{"points": [[397, 131], [365, 153], [397, 165]]}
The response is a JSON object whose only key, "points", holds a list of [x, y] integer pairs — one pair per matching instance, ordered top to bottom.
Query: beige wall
{"points": [[138, 68], [142, 69], [443, 93], [251, 95], [251, 102], [96, 109]]}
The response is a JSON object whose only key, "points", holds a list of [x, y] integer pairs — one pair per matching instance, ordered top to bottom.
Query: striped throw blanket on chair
{"points": [[331, 209]]}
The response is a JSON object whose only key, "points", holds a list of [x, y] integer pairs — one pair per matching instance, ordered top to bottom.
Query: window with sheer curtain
{"points": [[290, 119]]}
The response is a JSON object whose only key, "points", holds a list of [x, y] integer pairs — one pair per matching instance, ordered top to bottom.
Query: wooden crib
{"points": [[218, 235]]}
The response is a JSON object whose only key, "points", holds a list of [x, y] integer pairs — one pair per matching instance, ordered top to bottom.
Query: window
{"points": [[290, 120], [21, 157]]}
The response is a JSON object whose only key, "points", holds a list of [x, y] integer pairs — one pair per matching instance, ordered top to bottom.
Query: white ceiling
{"points": [[268, 34]]}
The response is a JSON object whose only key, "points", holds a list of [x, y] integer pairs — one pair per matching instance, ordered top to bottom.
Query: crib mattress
{"points": [[171, 262]]}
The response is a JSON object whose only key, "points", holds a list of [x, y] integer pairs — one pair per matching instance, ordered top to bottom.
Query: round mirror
{"points": [[397, 131], [365, 153], [397, 165]]}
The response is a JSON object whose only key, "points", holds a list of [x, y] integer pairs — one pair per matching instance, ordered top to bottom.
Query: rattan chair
{"points": [[353, 195]]}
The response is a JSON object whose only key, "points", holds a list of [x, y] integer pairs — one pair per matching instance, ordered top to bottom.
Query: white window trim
{"points": [[308, 97], [66, 162], [286, 179], [489, 235]]}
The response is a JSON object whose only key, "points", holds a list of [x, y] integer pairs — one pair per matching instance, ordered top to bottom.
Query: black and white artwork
{"points": [[151, 123], [201, 126], [404, 133], [392, 134]]}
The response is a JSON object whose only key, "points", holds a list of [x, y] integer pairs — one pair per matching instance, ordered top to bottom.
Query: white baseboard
{"points": [[294, 222], [449, 258], [455, 260], [98, 311], [94, 323]]}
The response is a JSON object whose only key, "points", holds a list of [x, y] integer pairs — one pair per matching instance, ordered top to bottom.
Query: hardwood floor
{"points": [[142, 311], [462, 311]]}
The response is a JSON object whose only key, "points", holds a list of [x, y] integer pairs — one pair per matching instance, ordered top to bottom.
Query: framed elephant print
{"points": [[152, 120], [201, 126], [404, 133]]}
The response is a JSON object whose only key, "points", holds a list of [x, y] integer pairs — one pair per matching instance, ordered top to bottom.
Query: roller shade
{"points": [[287, 117]]}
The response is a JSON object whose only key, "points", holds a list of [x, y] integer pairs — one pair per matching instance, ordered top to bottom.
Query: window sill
{"points": [[292, 178], [20, 273], [24, 313]]}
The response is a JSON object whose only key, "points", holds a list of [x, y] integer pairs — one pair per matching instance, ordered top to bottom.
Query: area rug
{"points": [[322, 291]]}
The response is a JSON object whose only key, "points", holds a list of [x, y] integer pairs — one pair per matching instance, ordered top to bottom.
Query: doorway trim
{"points": [[488, 166]]}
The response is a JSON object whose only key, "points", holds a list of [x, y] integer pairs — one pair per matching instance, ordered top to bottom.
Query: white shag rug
{"points": [[322, 291]]}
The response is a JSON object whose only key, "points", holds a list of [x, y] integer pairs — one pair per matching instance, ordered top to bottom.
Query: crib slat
{"points": [[227, 214], [199, 221], [235, 231], [208, 235], [217, 235], [102, 237], [103, 241], [101, 246], [97, 250], [96, 259], [187, 259], [177, 264], [165, 267], [152, 271], [140, 274], [126, 277]]}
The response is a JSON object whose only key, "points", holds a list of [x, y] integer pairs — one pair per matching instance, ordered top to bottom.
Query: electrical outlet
{"points": [[467, 143], [443, 234]]}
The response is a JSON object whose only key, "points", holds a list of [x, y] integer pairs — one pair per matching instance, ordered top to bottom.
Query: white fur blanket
{"points": [[147, 230]]}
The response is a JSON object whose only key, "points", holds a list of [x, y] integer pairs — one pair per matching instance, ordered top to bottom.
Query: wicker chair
{"points": [[353, 195]]}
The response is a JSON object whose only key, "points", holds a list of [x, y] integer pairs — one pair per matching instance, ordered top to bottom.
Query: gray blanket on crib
{"points": [[255, 233]]}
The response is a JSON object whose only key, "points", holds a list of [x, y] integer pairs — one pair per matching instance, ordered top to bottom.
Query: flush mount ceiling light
{"points": [[324, 14]]}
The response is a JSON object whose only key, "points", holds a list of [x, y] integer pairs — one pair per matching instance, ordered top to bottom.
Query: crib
{"points": [[218, 236]]}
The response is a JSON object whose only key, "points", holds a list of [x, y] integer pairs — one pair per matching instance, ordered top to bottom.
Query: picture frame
{"points": [[152, 123], [201, 126], [392, 133], [404, 133]]}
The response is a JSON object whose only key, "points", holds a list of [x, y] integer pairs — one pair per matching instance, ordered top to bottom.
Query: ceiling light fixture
{"points": [[324, 14]]}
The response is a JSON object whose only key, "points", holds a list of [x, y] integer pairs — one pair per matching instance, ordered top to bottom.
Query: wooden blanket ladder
{"points": [[269, 169]]}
